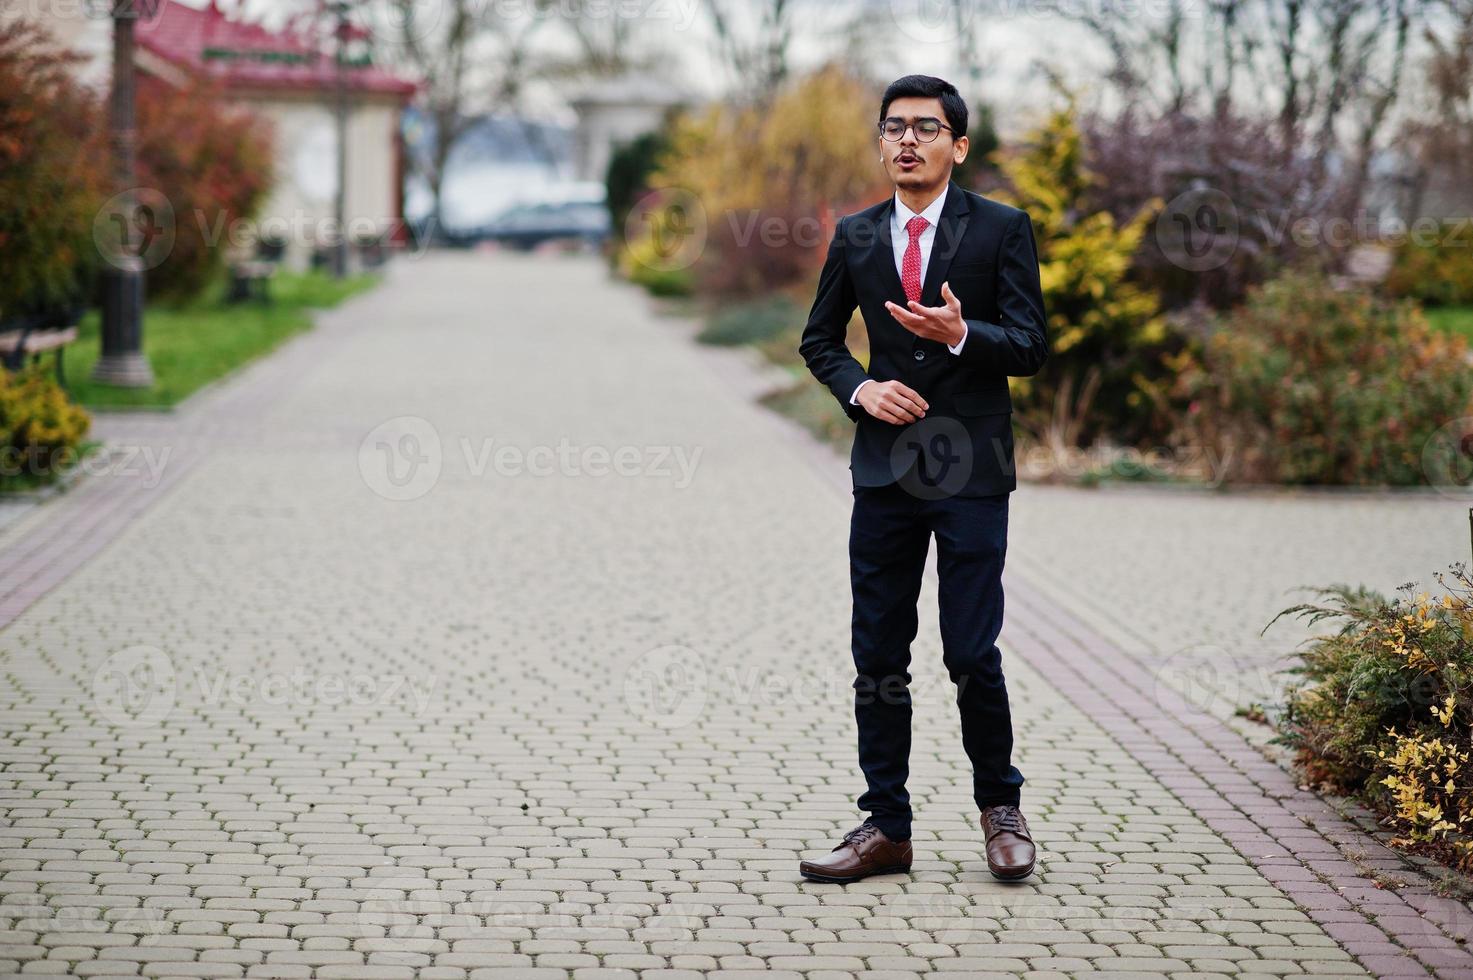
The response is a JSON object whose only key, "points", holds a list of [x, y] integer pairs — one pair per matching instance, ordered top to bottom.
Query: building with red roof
{"points": [[245, 57], [290, 77]]}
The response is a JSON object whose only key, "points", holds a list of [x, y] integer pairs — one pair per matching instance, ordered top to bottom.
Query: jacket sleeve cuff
{"points": [[966, 332]]}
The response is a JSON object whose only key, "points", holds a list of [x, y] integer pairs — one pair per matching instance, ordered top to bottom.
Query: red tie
{"points": [[910, 262]]}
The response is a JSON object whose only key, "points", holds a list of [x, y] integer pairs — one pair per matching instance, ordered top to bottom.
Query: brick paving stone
{"points": [[1163, 632], [564, 722]]}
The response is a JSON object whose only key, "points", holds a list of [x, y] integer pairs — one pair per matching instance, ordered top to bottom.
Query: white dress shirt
{"points": [[900, 216]]}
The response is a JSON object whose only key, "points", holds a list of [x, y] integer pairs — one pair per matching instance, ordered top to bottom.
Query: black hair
{"points": [[930, 87]]}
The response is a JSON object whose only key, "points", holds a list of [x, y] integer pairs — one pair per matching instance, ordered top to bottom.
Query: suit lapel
{"points": [[951, 228], [884, 254]]}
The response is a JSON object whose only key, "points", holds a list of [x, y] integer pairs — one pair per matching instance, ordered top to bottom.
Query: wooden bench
{"points": [[250, 279], [36, 335]]}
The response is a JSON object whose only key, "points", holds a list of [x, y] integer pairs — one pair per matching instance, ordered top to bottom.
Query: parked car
{"points": [[525, 226]]}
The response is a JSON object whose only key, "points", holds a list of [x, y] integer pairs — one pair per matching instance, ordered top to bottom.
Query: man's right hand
{"points": [[891, 401]]}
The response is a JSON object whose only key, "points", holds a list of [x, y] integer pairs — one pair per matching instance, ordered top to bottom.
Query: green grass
{"points": [[1452, 319], [755, 322], [193, 343], [812, 406], [25, 480]]}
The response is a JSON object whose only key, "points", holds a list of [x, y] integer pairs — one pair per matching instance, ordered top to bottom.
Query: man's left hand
{"points": [[943, 323]]}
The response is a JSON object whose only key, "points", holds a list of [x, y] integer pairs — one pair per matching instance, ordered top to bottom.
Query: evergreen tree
{"points": [[1105, 331]]}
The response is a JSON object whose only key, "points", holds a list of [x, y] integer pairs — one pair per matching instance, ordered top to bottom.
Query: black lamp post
{"points": [[340, 205], [123, 362]]}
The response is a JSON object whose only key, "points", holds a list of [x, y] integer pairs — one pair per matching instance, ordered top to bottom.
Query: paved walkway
{"points": [[1186, 581], [491, 630]]}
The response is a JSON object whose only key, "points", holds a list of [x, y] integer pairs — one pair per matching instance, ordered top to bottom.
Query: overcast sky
{"points": [[904, 36]]}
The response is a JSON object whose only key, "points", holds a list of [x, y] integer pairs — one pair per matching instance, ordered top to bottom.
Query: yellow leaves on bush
{"points": [[816, 144], [769, 182], [1084, 256], [654, 259], [1437, 271], [1105, 330], [37, 421], [1403, 635], [1386, 713], [1426, 798]]}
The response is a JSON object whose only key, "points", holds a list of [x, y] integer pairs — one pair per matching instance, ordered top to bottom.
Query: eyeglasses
{"points": [[926, 128]]}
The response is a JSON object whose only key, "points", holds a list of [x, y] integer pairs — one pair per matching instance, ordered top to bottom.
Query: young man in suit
{"points": [[948, 284]]}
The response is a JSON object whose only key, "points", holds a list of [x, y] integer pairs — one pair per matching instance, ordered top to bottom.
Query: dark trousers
{"points": [[889, 536]]}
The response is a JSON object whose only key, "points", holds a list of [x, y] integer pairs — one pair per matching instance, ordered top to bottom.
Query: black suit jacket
{"points": [[964, 445]]}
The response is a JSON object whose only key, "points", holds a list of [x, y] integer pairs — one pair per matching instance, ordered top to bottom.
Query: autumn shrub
{"points": [[213, 163], [52, 175], [770, 181], [1232, 186], [656, 259], [1437, 273], [1307, 383], [41, 430], [1382, 708]]}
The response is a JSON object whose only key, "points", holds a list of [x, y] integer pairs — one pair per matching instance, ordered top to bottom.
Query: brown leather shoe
{"points": [[1010, 850], [864, 851]]}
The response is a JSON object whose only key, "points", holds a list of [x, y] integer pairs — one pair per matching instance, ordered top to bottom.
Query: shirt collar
{"points": [[932, 213]]}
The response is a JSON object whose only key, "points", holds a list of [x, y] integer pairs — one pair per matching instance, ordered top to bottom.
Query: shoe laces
{"points": [[1006, 817], [859, 834]]}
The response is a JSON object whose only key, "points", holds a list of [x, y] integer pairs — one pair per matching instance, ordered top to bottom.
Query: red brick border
{"points": [[43, 548], [1291, 836], [1295, 839]]}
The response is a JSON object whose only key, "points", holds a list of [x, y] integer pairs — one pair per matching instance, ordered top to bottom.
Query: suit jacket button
{"points": [[920, 355]]}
